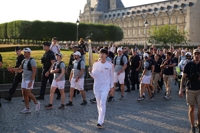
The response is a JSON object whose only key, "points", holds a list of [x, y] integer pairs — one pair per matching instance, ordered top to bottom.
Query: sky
{"points": [[49, 10]]}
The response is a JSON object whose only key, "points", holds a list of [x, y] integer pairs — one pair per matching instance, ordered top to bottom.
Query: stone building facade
{"points": [[184, 13]]}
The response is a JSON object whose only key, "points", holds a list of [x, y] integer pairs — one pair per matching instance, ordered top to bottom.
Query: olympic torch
{"points": [[90, 55]]}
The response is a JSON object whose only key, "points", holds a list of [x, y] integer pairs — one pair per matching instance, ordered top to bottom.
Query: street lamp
{"points": [[77, 23], [146, 25]]}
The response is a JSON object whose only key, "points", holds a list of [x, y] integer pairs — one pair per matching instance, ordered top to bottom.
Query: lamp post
{"points": [[77, 23], [145, 24]]}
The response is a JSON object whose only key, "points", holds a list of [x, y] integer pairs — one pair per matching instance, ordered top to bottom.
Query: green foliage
{"points": [[3, 31], [42, 31], [167, 34]]}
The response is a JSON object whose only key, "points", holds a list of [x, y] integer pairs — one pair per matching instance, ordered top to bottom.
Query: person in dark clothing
{"points": [[82, 48], [111, 55], [47, 60], [1, 62], [135, 65], [70, 66], [127, 70], [157, 72], [18, 75]]}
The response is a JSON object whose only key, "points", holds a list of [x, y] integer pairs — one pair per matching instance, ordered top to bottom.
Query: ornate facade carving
{"points": [[184, 13]]}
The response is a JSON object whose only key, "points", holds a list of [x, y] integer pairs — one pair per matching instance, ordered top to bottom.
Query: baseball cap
{"points": [[55, 38], [47, 43], [75, 46], [17, 48], [119, 49], [27, 50], [183, 51], [196, 51], [77, 53], [188, 53], [58, 54], [145, 55]]}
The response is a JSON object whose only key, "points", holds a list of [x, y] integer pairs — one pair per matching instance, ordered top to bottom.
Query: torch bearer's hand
{"points": [[90, 69]]}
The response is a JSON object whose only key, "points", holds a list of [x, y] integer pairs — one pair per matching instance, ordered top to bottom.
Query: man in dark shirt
{"points": [[48, 61], [1, 62], [135, 65], [70, 66], [168, 71], [192, 73], [18, 75]]}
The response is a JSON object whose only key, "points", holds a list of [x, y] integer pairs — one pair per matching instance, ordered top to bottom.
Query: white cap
{"points": [[119, 49], [27, 50], [183, 51], [77, 53], [189, 53], [59, 54], [145, 55]]}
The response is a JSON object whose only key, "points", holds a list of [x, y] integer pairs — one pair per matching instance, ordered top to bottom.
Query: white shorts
{"points": [[119, 78], [146, 79], [24, 84], [59, 84], [77, 85]]}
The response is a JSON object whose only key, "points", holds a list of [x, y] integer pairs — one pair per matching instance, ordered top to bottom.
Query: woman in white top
{"points": [[55, 47]]}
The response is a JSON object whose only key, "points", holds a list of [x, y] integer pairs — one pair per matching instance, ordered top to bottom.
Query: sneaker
{"points": [[128, 90], [152, 94], [58, 97], [167, 97], [7, 98], [39, 98], [122, 98], [141, 98], [110, 99], [93, 100], [84, 102], [69, 103], [49, 106], [62, 106], [37, 107], [25, 111], [99, 126], [198, 127], [193, 130]]}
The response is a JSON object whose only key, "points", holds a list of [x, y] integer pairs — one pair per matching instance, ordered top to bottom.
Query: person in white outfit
{"points": [[55, 47], [100, 71]]}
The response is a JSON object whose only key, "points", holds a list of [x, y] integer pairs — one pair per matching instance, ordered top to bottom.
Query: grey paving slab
{"points": [[127, 116]]}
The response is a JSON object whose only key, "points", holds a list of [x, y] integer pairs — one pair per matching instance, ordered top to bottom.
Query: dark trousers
{"points": [[17, 79], [135, 79], [126, 80], [44, 83], [160, 83]]}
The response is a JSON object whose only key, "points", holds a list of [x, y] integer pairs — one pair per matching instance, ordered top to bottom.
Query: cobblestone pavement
{"points": [[127, 116]]}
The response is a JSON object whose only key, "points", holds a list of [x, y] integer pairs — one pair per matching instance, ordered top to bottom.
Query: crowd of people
{"points": [[146, 70]]}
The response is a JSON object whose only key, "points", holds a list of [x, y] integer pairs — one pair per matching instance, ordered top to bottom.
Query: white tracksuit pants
{"points": [[101, 97]]}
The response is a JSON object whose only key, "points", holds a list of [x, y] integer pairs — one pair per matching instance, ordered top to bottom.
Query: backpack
{"points": [[121, 60], [79, 64], [28, 65], [150, 65], [58, 66]]}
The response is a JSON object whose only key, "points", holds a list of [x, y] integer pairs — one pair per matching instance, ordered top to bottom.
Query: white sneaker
{"points": [[167, 97], [37, 107], [25, 111]]}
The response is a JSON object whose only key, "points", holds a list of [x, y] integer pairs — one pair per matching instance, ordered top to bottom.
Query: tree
{"points": [[167, 34]]}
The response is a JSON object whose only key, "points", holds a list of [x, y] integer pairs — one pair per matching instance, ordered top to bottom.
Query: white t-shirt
{"points": [[55, 48], [103, 74]]}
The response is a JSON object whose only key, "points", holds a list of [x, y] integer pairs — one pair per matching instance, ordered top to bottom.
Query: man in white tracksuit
{"points": [[100, 71]]}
